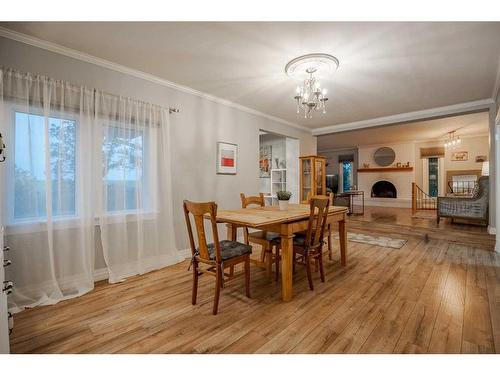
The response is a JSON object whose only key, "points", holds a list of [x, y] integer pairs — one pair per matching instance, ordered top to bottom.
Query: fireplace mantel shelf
{"points": [[389, 169]]}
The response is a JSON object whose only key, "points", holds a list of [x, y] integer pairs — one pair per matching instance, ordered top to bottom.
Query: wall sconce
{"points": [[2, 149]]}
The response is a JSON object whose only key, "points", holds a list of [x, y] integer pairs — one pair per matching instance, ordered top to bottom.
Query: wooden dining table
{"points": [[286, 223]]}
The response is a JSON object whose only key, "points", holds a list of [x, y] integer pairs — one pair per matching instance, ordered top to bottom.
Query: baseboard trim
{"points": [[185, 253], [101, 274]]}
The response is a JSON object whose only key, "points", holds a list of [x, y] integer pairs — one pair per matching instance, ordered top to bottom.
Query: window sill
{"points": [[22, 227]]}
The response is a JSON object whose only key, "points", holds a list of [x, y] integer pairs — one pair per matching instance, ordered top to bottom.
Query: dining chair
{"points": [[329, 229], [262, 237], [308, 245], [215, 256]]}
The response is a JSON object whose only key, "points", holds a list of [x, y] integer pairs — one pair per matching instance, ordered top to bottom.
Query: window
{"points": [[123, 155], [123, 168], [30, 174], [347, 175], [433, 177]]}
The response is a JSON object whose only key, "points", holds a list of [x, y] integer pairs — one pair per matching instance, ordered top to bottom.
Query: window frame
{"points": [[37, 111]]}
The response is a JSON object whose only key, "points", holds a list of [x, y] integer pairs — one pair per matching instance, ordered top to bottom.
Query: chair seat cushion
{"points": [[259, 235], [298, 240], [228, 249]]}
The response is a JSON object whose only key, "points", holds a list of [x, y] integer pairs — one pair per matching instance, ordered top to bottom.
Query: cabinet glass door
{"points": [[306, 179]]}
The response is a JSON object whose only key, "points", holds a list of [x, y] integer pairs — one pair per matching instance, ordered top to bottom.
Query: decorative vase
{"points": [[283, 205]]}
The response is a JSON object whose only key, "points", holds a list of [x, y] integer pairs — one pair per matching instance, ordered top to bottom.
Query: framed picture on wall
{"points": [[460, 156], [227, 158], [265, 161]]}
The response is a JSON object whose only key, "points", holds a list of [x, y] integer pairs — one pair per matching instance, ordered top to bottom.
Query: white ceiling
{"points": [[385, 68], [430, 130]]}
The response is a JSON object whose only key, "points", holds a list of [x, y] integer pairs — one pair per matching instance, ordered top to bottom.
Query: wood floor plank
{"points": [[446, 336], [477, 336]]}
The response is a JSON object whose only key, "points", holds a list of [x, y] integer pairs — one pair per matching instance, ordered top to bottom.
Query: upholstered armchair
{"points": [[471, 208]]}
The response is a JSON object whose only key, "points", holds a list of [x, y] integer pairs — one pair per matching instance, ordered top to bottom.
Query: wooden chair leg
{"points": [[330, 242], [269, 262], [321, 270], [309, 273], [247, 276], [195, 282], [218, 284]]}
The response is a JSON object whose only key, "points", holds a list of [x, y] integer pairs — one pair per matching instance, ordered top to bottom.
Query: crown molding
{"points": [[69, 52], [473, 106]]}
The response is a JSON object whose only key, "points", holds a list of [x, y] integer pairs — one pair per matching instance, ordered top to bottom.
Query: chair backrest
{"points": [[330, 196], [252, 200], [319, 206], [199, 210]]}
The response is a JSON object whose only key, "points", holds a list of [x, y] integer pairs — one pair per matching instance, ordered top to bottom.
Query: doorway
{"points": [[278, 166]]}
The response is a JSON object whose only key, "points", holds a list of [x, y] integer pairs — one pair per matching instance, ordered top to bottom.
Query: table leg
{"points": [[231, 236], [343, 241], [286, 266]]}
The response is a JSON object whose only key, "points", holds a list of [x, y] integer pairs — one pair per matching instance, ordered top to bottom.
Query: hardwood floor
{"points": [[399, 221], [429, 296]]}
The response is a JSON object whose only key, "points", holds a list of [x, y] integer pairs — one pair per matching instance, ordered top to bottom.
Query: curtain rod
{"points": [[173, 110]]}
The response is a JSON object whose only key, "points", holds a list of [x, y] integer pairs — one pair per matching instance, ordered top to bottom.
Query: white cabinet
{"points": [[278, 183]]}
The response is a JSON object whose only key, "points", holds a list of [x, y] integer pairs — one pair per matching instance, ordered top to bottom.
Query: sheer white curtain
{"points": [[79, 159], [46, 187], [134, 206]]}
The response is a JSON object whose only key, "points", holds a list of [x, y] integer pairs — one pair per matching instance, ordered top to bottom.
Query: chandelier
{"points": [[310, 97], [452, 141]]}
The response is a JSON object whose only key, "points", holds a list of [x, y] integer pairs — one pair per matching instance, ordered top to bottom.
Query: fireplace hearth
{"points": [[384, 189]]}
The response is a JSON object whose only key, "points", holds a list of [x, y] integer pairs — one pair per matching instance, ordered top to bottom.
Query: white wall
{"points": [[195, 130]]}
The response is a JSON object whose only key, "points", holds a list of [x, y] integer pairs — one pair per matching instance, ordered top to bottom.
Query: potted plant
{"points": [[283, 198]]}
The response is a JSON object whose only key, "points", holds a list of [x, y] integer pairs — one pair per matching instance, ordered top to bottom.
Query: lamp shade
{"points": [[486, 168]]}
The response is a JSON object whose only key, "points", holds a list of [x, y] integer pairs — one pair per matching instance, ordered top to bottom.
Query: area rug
{"points": [[393, 243]]}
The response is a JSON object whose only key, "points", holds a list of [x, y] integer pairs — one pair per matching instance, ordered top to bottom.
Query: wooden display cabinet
{"points": [[312, 176]]}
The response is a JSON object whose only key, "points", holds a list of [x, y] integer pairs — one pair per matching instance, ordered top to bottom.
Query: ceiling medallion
{"points": [[310, 96]]}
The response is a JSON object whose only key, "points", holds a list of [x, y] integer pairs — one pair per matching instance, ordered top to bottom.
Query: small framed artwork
{"points": [[460, 156], [227, 158], [481, 158], [265, 161]]}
